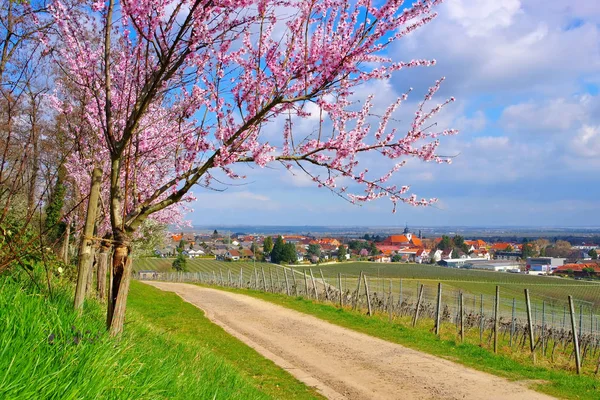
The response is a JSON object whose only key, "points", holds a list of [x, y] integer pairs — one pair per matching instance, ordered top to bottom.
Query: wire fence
{"points": [[548, 329]]}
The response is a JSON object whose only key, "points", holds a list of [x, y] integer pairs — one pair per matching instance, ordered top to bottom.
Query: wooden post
{"points": [[86, 252], [102, 271], [221, 277], [241, 277], [264, 279], [278, 279], [312, 279], [271, 280], [294, 280], [287, 283], [324, 284], [306, 285], [341, 290], [357, 291], [367, 294], [400, 296], [419, 298], [391, 308], [438, 309], [462, 317], [496, 318], [481, 320], [512, 323], [530, 325], [575, 338]]}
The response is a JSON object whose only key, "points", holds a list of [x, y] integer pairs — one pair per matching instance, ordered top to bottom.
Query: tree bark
{"points": [[86, 250], [122, 266], [102, 270]]}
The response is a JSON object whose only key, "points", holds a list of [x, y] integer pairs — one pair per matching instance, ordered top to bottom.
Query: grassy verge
{"points": [[165, 314], [169, 350], [558, 383]]}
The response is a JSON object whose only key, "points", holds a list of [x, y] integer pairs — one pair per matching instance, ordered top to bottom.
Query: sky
{"points": [[526, 78]]}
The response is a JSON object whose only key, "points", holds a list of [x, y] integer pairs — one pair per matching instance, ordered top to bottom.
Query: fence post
{"points": [[221, 275], [241, 277], [255, 279], [264, 279], [278, 279], [312, 279], [271, 280], [294, 280], [287, 283], [324, 284], [306, 285], [341, 289], [357, 291], [367, 294], [400, 297], [419, 297], [438, 309], [462, 317], [496, 318], [481, 320], [580, 320], [512, 323], [530, 325], [543, 334], [575, 338]]}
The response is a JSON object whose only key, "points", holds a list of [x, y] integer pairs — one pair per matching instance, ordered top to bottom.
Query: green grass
{"points": [[169, 350], [563, 384]]}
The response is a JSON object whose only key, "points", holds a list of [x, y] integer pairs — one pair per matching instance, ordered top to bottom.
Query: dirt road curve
{"points": [[340, 363]]}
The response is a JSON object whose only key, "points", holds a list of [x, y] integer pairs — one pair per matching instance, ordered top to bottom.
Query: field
{"points": [[548, 294]]}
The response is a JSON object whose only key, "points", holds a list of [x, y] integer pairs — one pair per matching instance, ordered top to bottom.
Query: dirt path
{"points": [[341, 363]]}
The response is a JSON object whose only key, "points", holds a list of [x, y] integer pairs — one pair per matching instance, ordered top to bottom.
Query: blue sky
{"points": [[526, 76]]}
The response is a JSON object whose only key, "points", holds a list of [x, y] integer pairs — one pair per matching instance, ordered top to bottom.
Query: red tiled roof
{"points": [[578, 267]]}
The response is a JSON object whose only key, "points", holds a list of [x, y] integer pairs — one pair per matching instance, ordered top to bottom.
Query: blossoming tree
{"points": [[173, 91]]}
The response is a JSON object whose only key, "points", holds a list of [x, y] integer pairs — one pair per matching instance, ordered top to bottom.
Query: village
{"points": [[535, 257]]}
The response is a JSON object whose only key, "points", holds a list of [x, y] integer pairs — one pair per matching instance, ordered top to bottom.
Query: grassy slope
{"points": [[169, 350], [562, 384]]}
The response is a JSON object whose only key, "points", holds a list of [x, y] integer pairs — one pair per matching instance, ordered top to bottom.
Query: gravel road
{"points": [[341, 363]]}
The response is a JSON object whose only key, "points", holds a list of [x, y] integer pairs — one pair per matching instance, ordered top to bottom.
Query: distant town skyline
{"points": [[526, 77]]}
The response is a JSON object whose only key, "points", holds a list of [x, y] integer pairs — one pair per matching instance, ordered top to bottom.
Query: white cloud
{"points": [[483, 16]]}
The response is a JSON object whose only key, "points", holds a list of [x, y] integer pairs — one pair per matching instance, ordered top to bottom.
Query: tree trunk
{"points": [[65, 246], [86, 250], [122, 266], [102, 270]]}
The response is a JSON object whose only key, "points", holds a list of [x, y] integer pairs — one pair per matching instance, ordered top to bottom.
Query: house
{"points": [[407, 239], [330, 241], [476, 245], [195, 253], [220, 254], [247, 254], [233, 255], [436, 255], [422, 256], [382, 259], [577, 269]]}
